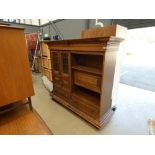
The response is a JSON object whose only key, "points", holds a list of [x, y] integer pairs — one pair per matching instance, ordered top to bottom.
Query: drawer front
{"points": [[44, 49], [45, 62], [89, 81], [62, 93], [85, 107]]}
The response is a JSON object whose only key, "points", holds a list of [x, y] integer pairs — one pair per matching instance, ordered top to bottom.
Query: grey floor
{"points": [[139, 71], [134, 107]]}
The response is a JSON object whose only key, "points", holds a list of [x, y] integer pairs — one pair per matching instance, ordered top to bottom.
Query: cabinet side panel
{"points": [[15, 76], [107, 81]]}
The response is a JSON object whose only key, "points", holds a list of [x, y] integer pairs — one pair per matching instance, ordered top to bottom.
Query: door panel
{"points": [[65, 70]]}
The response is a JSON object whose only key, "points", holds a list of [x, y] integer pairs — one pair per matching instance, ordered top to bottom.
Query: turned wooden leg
{"points": [[30, 103]]}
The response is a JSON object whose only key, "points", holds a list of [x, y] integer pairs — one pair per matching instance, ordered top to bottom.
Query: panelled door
{"points": [[61, 74]]}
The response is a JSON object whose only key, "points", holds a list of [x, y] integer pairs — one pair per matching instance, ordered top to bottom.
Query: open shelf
{"points": [[87, 62], [88, 69], [87, 96]]}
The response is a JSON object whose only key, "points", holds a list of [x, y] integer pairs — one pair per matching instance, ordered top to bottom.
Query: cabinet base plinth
{"points": [[98, 124]]}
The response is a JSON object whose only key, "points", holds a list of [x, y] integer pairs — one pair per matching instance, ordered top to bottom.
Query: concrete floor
{"points": [[137, 71], [134, 107]]}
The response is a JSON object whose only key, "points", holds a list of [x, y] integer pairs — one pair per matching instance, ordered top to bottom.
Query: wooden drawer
{"points": [[44, 50], [46, 62], [47, 73], [88, 81], [63, 93], [85, 107]]}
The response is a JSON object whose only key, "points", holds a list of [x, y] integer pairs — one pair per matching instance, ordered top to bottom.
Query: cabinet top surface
{"points": [[11, 27], [85, 40]]}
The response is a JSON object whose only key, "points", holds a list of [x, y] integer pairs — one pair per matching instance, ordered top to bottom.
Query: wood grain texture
{"points": [[6, 24], [11, 27], [106, 31], [86, 44], [44, 49], [46, 61], [91, 68], [97, 71], [15, 75], [87, 80], [107, 82], [91, 85], [77, 111], [22, 121]]}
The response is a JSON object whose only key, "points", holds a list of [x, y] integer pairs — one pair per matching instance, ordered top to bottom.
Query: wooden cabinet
{"points": [[44, 49], [46, 67], [83, 73], [15, 74]]}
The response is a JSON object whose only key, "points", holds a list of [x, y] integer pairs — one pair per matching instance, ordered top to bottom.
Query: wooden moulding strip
{"points": [[107, 116]]}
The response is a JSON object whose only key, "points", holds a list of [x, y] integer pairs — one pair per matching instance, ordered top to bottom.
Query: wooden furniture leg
{"points": [[30, 103], [13, 106]]}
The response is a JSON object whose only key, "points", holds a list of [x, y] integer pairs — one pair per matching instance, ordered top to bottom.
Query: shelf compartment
{"points": [[86, 60], [88, 69], [88, 81], [87, 96], [86, 101]]}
